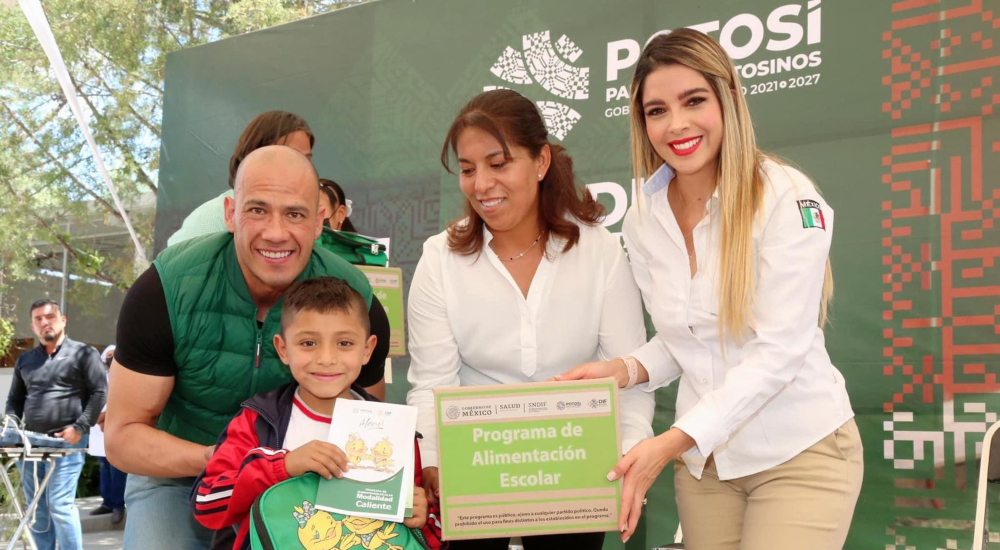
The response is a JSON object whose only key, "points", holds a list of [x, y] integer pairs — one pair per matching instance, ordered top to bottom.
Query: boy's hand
{"points": [[326, 459], [431, 483], [419, 510]]}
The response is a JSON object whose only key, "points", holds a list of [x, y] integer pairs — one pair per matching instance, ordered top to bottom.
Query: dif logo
{"points": [[600, 403], [538, 406]]}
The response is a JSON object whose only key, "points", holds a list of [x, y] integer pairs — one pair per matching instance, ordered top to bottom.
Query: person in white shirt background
{"points": [[730, 249], [525, 285], [112, 479]]}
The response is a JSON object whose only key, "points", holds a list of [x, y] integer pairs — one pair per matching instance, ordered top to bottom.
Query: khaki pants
{"points": [[807, 502]]}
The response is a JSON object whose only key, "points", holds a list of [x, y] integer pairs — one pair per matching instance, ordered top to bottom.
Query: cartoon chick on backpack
{"points": [[320, 530]]}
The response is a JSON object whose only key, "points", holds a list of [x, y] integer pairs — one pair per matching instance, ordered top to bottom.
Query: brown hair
{"points": [[513, 119], [266, 129], [324, 295]]}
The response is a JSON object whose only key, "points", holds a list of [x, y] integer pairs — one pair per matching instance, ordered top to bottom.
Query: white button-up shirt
{"points": [[470, 325], [757, 403]]}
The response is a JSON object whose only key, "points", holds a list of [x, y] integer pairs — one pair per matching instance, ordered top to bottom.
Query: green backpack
{"points": [[355, 249], [285, 518]]}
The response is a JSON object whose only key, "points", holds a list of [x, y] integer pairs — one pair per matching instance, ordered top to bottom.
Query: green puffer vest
{"points": [[222, 357]]}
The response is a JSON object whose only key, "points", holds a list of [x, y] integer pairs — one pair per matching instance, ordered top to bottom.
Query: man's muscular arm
{"points": [[133, 443]]}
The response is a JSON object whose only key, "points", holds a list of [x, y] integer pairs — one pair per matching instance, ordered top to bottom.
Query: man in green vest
{"points": [[194, 340]]}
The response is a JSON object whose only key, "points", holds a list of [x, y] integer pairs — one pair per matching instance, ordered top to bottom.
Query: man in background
{"points": [[58, 389]]}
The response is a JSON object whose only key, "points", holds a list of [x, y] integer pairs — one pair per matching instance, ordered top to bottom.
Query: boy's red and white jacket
{"points": [[249, 459]]}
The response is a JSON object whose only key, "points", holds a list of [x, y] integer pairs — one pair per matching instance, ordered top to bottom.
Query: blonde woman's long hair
{"points": [[740, 176]]}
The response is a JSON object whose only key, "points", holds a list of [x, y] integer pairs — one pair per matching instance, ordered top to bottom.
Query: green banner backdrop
{"points": [[889, 106]]}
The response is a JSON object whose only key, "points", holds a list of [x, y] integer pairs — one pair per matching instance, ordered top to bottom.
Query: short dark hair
{"points": [[266, 129], [324, 295], [42, 303]]}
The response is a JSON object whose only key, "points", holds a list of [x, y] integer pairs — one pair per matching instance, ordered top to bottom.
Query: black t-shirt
{"points": [[145, 341]]}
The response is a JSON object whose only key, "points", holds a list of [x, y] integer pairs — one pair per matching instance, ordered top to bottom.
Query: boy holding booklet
{"points": [[325, 338]]}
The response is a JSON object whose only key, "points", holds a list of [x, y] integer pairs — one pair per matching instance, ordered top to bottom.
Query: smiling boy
{"points": [[324, 340]]}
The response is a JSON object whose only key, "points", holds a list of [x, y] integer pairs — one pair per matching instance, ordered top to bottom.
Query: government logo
{"points": [[549, 65]]}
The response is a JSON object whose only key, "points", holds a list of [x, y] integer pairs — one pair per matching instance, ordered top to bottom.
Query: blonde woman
{"points": [[730, 250]]}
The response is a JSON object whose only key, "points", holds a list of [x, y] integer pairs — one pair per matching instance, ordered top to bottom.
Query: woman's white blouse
{"points": [[469, 324], [757, 403]]}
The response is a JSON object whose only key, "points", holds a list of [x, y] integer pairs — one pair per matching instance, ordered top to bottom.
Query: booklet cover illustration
{"points": [[378, 441]]}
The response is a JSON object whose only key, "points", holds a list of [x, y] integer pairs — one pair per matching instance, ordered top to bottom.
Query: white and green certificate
{"points": [[528, 459]]}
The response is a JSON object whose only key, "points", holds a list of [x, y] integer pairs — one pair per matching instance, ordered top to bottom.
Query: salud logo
{"points": [[550, 66]]}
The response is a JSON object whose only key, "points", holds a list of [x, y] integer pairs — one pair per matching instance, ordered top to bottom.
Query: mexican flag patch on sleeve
{"points": [[812, 215]]}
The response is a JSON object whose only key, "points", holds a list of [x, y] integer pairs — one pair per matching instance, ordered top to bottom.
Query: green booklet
{"points": [[378, 440]]}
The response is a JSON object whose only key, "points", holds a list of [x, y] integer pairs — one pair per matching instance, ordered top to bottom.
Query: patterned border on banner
{"points": [[941, 280]]}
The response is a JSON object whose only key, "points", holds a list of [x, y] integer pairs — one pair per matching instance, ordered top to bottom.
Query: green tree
{"points": [[115, 51]]}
